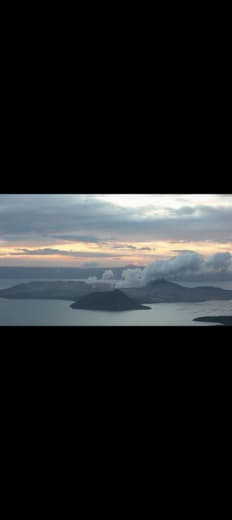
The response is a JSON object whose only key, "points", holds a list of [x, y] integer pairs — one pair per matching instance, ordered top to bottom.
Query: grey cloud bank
{"points": [[86, 218], [42, 226], [78, 238], [62, 252]]}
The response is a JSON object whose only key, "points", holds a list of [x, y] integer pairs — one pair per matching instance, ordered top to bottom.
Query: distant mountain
{"points": [[163, 283], [59, 290], [158, 291], [107, 301]]}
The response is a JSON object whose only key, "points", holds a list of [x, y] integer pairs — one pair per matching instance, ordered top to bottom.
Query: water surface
{"points": [[55, 312], [59, 313]]}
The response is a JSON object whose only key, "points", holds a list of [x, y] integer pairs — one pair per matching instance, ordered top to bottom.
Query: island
{"points": [[59, 290], [156, 291], [164, 291], [108, 301], [221, 320]]}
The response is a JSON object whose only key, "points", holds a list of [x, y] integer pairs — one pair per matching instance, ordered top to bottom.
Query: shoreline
{"points": [[226, 321]]}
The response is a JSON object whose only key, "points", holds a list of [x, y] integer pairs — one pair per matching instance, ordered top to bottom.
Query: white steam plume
{"points": [[220, 261], [186, 264], [108, 275], [91, 279]]}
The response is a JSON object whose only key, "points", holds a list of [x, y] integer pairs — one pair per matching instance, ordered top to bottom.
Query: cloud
{"points": [[184, 210], [85, 218], [44, 222], [79, 238], [123, 246], [128, 246], [50, 251], [182, 251], [38, 252], [220, 261], [188, 264], [108, 275], [132, 278], [91, 279]]}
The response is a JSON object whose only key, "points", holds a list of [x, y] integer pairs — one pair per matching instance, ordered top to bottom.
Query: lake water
{"points": [[59, 313]]}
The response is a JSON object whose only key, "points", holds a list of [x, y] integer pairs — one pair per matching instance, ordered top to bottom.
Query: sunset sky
{"points": [[111, 230]]}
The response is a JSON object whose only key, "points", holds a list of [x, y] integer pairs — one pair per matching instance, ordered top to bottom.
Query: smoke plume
{"points": [[181, 267], [108, 275], [91, 279]]}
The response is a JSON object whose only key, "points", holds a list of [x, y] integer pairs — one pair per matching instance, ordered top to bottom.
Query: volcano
{"points": [[108, 301]]}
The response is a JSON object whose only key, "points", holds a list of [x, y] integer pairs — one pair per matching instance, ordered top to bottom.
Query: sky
{"points": [[113, 229]]}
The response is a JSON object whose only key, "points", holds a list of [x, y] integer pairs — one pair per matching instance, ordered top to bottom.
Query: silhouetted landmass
{"points": [[47, 290], [159, 291], [108, 301], [224, 320]]}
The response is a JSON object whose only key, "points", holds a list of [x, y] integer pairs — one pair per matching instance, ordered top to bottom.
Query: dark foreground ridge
{"points": [[108, 301], [224, 320]]}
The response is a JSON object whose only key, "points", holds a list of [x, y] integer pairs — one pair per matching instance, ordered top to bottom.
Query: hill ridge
{"points": [[115, 300]]}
